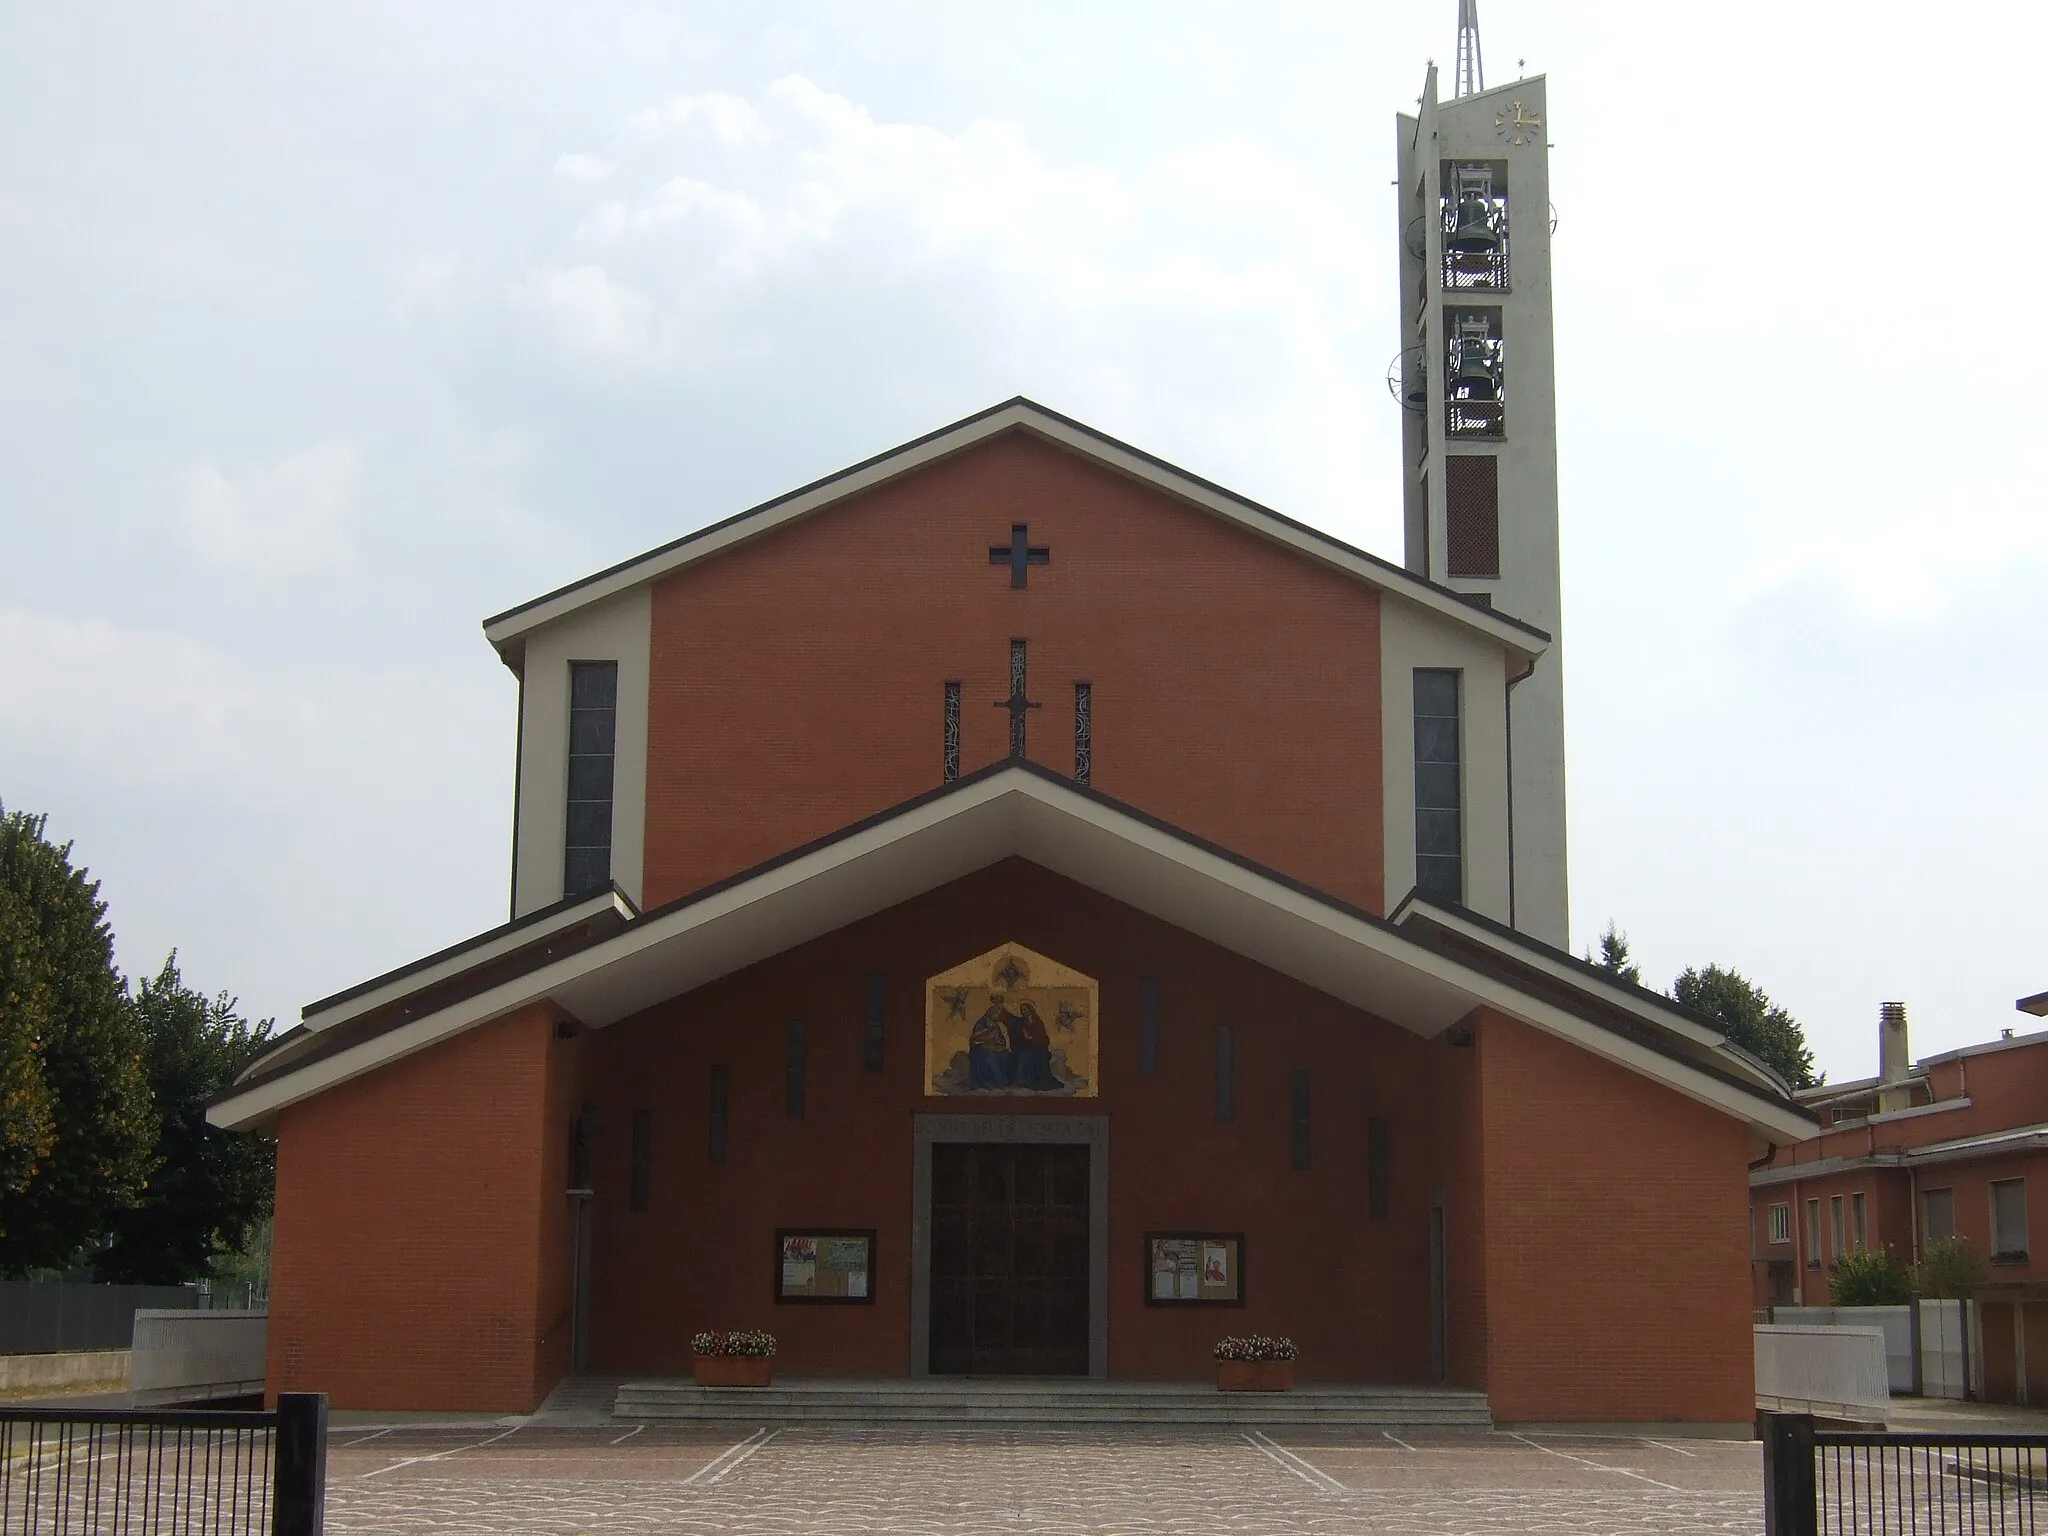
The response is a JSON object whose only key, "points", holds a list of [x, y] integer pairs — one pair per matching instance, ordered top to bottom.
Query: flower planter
{"points": [[734, 1370], [1254, 1375]]}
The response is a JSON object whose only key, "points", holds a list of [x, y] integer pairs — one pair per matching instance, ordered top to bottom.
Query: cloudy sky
{"points": [[326, 330]]}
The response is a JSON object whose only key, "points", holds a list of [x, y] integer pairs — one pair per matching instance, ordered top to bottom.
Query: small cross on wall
{"points": [[1019, 554]]}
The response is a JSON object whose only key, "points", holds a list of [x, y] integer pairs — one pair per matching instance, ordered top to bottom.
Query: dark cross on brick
{"points": [[1019, 555], [1017, 704]]}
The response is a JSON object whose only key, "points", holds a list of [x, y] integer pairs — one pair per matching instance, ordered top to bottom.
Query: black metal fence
{"points": [[39, 1317], [165, 1474], [1823, 1482]]}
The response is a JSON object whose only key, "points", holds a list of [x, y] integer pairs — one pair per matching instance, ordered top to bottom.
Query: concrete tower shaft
{"points": [[1479, 440]]}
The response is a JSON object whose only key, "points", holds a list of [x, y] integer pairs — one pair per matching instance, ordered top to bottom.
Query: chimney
{"points": [[1894, 1059]]}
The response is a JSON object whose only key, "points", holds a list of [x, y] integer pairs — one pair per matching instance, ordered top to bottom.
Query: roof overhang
{"points": [[508, 630], [1013, 811], [2037, 1005]]}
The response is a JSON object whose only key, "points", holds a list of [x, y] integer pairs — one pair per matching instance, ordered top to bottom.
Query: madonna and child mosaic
{"points": [[1010, 1022]]}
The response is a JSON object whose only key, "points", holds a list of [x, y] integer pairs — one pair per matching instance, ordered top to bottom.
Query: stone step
{"points": [[1099, 1403], [763, 1413]]}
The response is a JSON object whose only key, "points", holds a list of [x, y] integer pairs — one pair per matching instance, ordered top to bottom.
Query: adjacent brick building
{"points": [[1016, 696], [1953, 1146]]}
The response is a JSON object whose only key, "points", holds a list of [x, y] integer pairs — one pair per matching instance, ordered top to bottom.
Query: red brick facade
{"points": [[798, 681], [1585, 1160], [423, 1241], [420, 1255]]}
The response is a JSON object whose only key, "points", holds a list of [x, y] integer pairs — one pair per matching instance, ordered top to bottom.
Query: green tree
{"points": [[1614, 956], [1750, 1019], [74, 1100], [210, 1187], [1950, 1267], [1870, 1277]]}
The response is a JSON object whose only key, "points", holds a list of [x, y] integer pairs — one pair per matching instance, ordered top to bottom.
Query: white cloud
{"points": [[583, 168], [733, 240], [284, 518]]}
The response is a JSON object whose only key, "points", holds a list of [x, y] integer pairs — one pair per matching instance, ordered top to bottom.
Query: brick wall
{"points": [[1236, 686], [419, 1253], [1617, 1282], [1349, 1288]]}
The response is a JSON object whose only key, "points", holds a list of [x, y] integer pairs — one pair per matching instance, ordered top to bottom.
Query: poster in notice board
{"points": [[825, 1264], [1194, 1269]]}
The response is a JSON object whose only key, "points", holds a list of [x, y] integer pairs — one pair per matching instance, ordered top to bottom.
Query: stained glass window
{"points": [[1017, 691], [1084, 732], [952, 738]]}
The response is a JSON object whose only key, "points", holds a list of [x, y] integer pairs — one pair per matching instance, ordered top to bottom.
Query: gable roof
{"points": [[507, 630], [1404, 973]]}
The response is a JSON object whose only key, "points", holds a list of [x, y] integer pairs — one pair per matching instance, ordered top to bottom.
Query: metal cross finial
{"points": [[1471, 71], [1019, 555]]}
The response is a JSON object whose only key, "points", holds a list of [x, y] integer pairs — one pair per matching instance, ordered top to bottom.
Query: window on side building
{"points": [[593, 726], [1439, 800], [1938, 1214], [2009, 1220], [1861, 1221], [1781, 1223], [1837, 1225], [1813, 1234]]}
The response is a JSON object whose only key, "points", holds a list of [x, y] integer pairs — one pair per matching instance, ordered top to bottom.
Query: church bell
{"points": [[1473, 233], [1473, 378]]}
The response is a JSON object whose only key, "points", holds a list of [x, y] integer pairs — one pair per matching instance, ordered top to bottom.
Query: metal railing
{"points": [[1475, 418], [174, 1473], [1820, 1482]]}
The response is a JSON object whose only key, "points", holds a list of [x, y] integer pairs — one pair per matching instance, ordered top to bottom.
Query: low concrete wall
{"points": [[1897, 1323], [188, 1357], [73, 1370], [1838, 1373]]}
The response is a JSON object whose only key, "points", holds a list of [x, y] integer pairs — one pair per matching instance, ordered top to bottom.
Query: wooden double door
{"points": [[1009, 1279]]}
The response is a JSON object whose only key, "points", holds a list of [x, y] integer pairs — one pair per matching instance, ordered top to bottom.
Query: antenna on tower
{"points": [[1471, 72]]}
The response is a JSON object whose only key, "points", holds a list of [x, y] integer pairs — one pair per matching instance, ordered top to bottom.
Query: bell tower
{"points": [[1474, 379]]}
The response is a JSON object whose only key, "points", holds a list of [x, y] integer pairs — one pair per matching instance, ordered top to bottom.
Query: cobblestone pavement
{"points": [[978, 1482]]}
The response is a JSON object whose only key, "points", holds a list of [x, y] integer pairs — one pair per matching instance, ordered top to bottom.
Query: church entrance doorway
{"points": [[1009, 1259]]}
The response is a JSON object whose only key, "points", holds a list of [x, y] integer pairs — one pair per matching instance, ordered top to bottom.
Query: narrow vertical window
{"points": [[1016, 703], [593, 728], [1084, 732], [952, 737], [1439, 841], [878, 993], [1148, 1026], [793, 1072], [1226, 1075], [721, 1104], [1299, 1118], [582, 1140], [640, 1171], [1378, 1173], [1940, 1208], [1861, 1219], [2009, 1220], [1813, 1234], [1838, 1242]]}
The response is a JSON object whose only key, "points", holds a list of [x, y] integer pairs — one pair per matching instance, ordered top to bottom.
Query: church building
{"points": [[1016, 907]]}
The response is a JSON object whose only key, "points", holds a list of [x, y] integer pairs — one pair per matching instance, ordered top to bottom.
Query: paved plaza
{"points": [[1093, 1482]]}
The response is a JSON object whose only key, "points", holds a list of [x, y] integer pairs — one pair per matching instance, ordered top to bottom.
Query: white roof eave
{"points": [[507, 630], [1015, 812]]}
